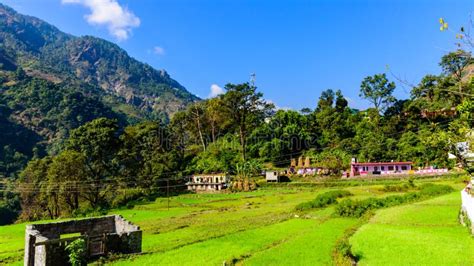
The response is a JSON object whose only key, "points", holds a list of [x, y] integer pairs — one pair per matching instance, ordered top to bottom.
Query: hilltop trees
{"points": [[454, 63], [378, 90], [247, 110]]}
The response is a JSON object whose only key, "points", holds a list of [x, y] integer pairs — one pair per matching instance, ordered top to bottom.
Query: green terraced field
{"points": [[263, 228], [424, 233]]}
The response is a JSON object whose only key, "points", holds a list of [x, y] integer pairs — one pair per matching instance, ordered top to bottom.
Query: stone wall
{"points": [[43, 245]]}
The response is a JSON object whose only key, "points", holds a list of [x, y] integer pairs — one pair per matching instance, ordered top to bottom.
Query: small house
{"points": [[380, 168], [272, 176], [208, 182]]}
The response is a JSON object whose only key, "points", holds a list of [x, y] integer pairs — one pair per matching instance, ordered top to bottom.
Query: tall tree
{"points": [[455, 63], [378, 90], [326, 99], [341, 102], [247, 109], [197, 113], [216, 115], [98, 142], [144, 155], [67, 174], [33, 204]]}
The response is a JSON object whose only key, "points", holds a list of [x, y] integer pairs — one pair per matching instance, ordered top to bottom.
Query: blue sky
{"points": [[296, 48]]}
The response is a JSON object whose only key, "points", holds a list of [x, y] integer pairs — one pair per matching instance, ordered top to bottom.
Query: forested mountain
{"points": [[44, 51], [52, 82]]}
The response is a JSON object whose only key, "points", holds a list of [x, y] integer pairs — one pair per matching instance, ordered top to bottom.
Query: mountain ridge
{"points": [[44, 51], [52, 82]]}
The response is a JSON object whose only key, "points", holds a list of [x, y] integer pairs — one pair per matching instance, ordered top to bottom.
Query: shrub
{"points": [[410, 184], [434, 190], [323, 200], [357, 208], [77, 252]]}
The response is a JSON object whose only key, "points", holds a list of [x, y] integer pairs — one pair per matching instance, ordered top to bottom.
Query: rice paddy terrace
{"points": [[265, 227]]}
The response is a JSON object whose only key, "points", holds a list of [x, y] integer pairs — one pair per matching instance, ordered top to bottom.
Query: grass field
{"points": [[263, 228], [424, 233]]}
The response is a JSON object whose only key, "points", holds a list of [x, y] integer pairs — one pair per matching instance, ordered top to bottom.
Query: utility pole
{"points": [[253, 79], [168, 192]]}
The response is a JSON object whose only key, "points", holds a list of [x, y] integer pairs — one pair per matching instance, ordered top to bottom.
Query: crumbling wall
{"points": [[90, 226], [43, 245]]}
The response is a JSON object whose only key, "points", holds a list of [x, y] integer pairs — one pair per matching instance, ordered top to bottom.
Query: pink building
{"points": [[385, 168]]}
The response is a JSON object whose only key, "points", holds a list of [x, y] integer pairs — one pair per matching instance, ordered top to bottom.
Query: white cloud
{"points": [[118, 19], [158, 50], [215, 91]]}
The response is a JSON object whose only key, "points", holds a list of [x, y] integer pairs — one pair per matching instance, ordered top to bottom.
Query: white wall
{"points": [[468, 204]]}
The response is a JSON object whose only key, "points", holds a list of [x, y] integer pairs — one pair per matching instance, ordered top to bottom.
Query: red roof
{"points": [[382, 163]]}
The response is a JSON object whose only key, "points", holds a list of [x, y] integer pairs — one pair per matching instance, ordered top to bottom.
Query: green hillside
{"points": [[52, 82]]}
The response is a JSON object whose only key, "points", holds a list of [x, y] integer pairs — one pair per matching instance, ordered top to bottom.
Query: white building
{"points": [[272, 176], [208, 182]]}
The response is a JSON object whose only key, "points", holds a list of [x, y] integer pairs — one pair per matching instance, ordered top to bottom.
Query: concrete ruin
{"points": [[44, 245]]}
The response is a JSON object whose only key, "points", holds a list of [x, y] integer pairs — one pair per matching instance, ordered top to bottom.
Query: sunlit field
{"points": [[263, 228]]}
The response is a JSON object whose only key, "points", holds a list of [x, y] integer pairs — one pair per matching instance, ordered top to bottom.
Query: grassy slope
{"points": [[191, 218], [255, 228], [424, 233], [11, 243], [313, 247]]}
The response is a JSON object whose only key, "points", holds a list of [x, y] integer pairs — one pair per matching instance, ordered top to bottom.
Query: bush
{"points": [[400, 187], [434, 190], [323, 200], [357, 208], [77, 252]]}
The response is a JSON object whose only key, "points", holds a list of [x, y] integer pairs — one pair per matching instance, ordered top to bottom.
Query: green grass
{"points": [[263, 228], [424, 233], [11, 243], [313, 247], [217, 250]]}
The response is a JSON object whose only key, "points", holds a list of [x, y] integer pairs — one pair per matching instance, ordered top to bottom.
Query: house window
{"points": [[382, 167], [404, 167], [376, 168], [390, 168]]}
